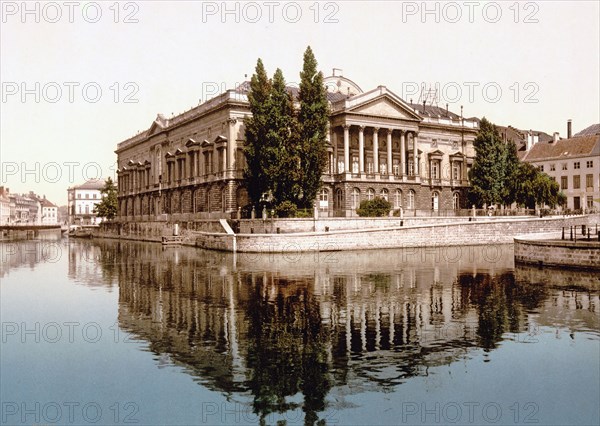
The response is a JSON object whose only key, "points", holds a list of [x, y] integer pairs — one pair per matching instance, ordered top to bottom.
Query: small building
{"points": [[574, 163], [81, 202], [49, 212]]}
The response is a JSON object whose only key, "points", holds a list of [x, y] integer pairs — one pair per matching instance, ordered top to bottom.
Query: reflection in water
{"points": [[285, 333]]}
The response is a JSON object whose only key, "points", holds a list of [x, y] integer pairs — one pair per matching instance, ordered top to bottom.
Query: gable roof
{"points": [[594, 129], [580, 146]]}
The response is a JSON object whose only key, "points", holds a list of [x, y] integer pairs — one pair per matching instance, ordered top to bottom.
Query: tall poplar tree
{"points": [[313, 118], [488, 172], [257, 182]]}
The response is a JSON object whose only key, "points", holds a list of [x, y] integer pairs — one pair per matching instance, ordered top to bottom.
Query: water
{"points": [[106, 332]]}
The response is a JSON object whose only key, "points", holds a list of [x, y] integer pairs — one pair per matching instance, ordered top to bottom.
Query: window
{"points": [[354, 164], [589, 164], [370, 165], [576, 165], [564, 166], [396, 167], [552, 167], [383, 168], [541, 168], [435, 170], [455, 170], [589, 181], [563, 182], [576, 182], [370, 194], [384, 194], [87, 196], [94, 196], [339, 198], [355, 198], [324, 199], [398, 199], [410, 200], [435, 201], [455, 201], [590, 202], [87, 209]]}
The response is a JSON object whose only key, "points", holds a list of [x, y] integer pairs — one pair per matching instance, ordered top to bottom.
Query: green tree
{"points": [[313, 119], [257, 157], [511, 168], [488, 173], [533, 188], [108, 206], [376, 207]]}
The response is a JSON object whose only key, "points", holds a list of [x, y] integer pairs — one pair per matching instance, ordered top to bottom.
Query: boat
{"points": [[82, 231]]}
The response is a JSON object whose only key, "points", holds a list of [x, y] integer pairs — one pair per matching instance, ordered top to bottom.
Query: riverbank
{"points": [[28, 232], [375, 233]]}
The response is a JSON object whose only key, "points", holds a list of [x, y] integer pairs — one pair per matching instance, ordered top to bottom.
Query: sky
{"points": [[79, 77]]}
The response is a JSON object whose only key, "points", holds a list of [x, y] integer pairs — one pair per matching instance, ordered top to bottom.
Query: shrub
{"points": [[376, 207], [286, 209], [304, 213]]}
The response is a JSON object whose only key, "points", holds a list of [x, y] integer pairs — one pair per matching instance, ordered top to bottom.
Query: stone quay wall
{"points": [[374, 234], [550, 250]]}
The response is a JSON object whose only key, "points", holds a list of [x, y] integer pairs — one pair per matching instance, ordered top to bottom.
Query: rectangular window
{"points": [[354, 164], [369, 164], [589, 164], [576, 165], [564, 166], [552, 167], [541, 168], [434, 170], [455, 173], [589, 181], [564, 182], [576, 182], [87, 196], [590, 202]]}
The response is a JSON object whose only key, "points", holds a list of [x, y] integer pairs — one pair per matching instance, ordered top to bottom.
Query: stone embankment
{"points": [[283, 235], [551, 250]]}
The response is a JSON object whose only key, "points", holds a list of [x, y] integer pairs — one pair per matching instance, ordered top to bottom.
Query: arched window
{"points": [[370, 194], [385, 194], [323, 198], [355, 198], [339, 199], [398, 199], [410, 200], [435, 200], [455, 201]]}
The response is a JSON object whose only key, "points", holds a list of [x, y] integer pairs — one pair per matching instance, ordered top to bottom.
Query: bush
{"points": [[377, 207], [286, 209], [305, 213]]}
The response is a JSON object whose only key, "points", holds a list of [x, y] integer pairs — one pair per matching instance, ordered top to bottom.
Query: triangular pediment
{"points": [[386, 106]]}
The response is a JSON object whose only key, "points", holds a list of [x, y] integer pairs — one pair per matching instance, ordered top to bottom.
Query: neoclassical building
{"points": [[191, 165]]}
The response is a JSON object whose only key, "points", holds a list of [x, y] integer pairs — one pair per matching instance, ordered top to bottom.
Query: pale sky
{"points": [[532, 65]]}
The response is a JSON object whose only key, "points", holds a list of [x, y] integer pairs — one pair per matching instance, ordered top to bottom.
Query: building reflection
{"points": [[46, 248], [287, 331]]}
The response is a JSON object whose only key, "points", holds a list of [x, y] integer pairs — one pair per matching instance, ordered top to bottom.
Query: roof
{"points": [[433, 111], [594, 129], [580, 146], [91, 184], [46, 203]]}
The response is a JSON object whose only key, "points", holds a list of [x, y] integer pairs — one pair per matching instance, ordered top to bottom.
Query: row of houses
{"points": [[26, 209]]}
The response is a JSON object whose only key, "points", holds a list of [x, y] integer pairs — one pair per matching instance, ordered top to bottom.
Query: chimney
{"points": [[569, 128], [555, 137], [536, 139], [529, 141]]}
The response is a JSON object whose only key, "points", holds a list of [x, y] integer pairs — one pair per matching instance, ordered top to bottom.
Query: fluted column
{"points": [[346, 148], [361, 149], [376, 149], [389, 151], [402, 153], [416, 154]]}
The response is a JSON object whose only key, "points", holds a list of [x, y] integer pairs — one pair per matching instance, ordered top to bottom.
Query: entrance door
{"points": [[435, 201], [576, 203]]}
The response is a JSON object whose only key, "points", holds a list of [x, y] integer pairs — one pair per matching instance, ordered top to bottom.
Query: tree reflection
{"points": [[286, 349]]}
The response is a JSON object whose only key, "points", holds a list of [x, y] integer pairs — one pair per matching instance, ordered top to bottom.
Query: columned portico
{"points": [[389, 151], [402, 153], [415, 154]]}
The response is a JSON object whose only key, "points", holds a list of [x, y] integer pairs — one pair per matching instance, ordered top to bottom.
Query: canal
{"points": [[113, 332]]}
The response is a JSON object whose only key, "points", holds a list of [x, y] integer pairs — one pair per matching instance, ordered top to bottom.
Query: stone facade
{"points": [[416, 156]]}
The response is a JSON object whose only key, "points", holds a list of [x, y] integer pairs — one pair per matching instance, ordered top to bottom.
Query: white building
{"points": [[574, 163], [81, 202], [4, 206], [49, 212]]}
